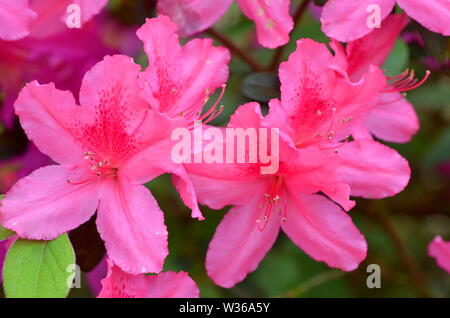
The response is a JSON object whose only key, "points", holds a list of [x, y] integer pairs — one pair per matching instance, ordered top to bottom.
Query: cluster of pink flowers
{"points": [[116, 137]]}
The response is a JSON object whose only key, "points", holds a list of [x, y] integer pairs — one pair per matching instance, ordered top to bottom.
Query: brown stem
{"points": [[297, 19], [227, 42], [407, 261], [312, 283]]}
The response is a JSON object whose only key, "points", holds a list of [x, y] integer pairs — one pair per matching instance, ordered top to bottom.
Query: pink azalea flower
{"points": [[41, 18], [272, 19], [346, 20], [180, 78], [179, 81], [319, 106], [394, 119], [106, 149], [440, 250], [119, 284]]}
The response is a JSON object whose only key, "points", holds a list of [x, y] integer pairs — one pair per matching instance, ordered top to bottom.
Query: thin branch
{"points": [[297, 19], [228, 43], [407, 261], [312, 282]]}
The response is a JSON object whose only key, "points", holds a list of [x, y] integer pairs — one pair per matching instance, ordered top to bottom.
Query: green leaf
{"points": [[398, 59], [261, 87], [5, 233], [39, 269]]}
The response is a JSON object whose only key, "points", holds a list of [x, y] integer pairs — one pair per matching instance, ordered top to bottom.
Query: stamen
{"points": [[404, 82], [212, 112], [346, 140], [100, 169], [270, 200]]}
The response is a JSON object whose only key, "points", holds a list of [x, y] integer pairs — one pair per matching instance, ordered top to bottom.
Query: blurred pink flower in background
{"points": [[41, 18], [272, 19], [346, 20], [62, 58], [319, 107], [18, 167], [440, 250], [95, 276], [119, 284]]}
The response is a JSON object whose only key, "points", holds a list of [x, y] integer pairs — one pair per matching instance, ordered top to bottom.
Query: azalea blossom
{"points": [[41, 18], [272, 19], [346, 20], [179, 81], [394, 118], [106, 149], [319, 170], [440, 250], [119, 284]]}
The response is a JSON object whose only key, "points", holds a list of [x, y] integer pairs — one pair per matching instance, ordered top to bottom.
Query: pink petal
{"points": [[432, 14], [193, 16], [15, 17], [49, 17], [346, 20], [273, 22], [375, 47], [163, 50], [307, 64], [205, 68], [180, 78], [112, 86], [49, 117], [394, 119], [155, 158], [373, 170], [315, 171], [220, 184], [185, 188], [217, 191], [44, 204], [132, 226], [324, 231], [238, 244], [440, 250], [119, 284], [172, 285]]}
